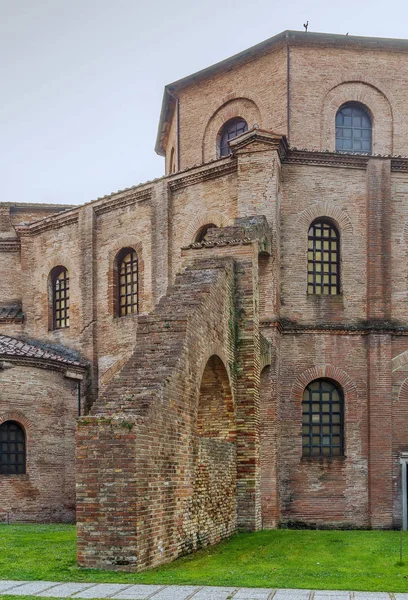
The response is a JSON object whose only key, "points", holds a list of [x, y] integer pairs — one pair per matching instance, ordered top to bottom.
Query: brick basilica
{"points": [[224, 348]]}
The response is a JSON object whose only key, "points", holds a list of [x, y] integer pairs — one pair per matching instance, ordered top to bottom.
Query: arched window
{"points": [[353, 129], [229, 131], [202, 232], [323, 259], [127, 291], [60, 297], [322, 419], [12, 449]]}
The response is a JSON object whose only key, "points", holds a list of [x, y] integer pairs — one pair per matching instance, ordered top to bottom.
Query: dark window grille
{"points": [[353, 129], [230, 130], [323, 259], [60, 287], [128, 297], [322, 419], [12, 449]]}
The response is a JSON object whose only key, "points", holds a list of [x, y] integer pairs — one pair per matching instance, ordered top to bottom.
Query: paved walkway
{"points": [[47, 589]]}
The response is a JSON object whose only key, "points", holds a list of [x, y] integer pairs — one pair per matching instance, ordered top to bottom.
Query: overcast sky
{"points": [[81, 81]]}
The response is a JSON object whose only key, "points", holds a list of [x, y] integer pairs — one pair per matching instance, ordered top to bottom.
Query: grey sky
{"points": [[81, 81]]}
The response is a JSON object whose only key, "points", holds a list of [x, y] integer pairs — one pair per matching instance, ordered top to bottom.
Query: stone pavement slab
{"points": [[6, 584], [31, 588], [66, 589], [102, 590], [138, 592], [176, 592], [214, 593], [253, 594], [292, 595], [331, 595], [371, 596], [401, 596]]}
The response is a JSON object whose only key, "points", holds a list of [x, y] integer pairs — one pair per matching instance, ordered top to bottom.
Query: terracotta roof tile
{"points": [[13, 347]]}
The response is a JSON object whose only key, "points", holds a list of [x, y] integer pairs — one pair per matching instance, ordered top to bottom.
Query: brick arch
{"points": [[377, 103], [243, 107], [325, 209], [200, 220], [124, 242], [214, 349], [328, 372], [403, 392], [19, 417]]}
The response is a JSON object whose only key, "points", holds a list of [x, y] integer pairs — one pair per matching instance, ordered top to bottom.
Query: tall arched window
{"points": [[353, 128], [229, 131], [323, 259], [127, 292], [60, 297], [322, 419], [12, 449]]}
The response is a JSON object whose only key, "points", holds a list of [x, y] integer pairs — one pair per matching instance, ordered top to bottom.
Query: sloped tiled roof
{"points": [[12, 312], [12, 347]]}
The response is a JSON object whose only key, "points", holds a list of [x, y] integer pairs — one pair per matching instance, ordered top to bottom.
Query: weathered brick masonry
{"points": [[191, 404]]}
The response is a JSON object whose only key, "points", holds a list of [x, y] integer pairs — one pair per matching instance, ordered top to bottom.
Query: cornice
{"points": [[275, 141], [327, 159], [399, 164], [219, 170], [130, 198], [47, 224], [218, 243], [9, 245], [385, 328], [41, 363]]}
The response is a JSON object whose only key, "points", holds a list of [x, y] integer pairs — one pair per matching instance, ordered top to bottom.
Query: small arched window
{"points": [[353, 129], [229, 131], [202, 232], [323, 259], [127, 284], [60, 297], [322, 419], [12, 449]]}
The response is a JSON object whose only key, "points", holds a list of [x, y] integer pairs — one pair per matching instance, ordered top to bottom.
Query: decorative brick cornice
{"points": [[260, 137], [326, 159], [399, 164], [219, 170], [131, 198], [55, 222], [218, 243], [9, 245], [368, 328], [51, 365]]}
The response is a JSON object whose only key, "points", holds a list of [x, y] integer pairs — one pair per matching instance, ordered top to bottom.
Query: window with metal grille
{"points": [[353, 129], [230, 130], [323, 259], [127, 284], [60, 297], [322, 419], [12, 449]]}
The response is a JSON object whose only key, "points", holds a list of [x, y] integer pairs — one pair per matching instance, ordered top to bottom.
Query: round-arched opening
{"points": [[354, 128], [230, 130], [202, 232], [323, 258], [126, 282], [59, 297], [215, 416], [323, 419], [12, 448]]}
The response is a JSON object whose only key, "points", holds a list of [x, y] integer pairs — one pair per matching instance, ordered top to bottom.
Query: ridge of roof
{"points": [[287, 37]]}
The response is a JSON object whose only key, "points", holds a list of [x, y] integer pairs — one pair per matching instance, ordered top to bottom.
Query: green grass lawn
{"points": [[342, 560]]}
